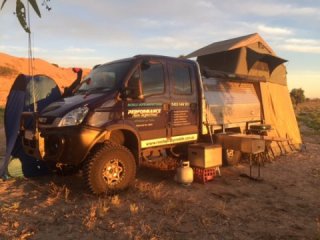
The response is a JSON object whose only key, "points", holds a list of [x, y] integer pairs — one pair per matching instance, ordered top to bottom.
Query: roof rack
{"points": [[207, 73]]}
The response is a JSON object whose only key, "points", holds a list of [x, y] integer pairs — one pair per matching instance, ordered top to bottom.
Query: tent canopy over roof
{"points": [[231, 44], [247, 55]]}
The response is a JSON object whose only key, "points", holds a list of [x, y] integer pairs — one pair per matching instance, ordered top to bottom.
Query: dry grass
{"points": [[308, 113], [308, 116], [311, 119], [57, 193], [155, 193], [115, 201], [170, 206], [103, 208], [134, 209], [158, 210], [90, 220]]}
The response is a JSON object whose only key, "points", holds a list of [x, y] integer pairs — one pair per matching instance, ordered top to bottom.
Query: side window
{"points": [[152, 76], [181, 80], [134, 85]]}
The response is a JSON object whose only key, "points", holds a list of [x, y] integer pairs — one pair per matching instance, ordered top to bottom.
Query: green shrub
{"points": [[7, 71], [297, 96], [310, 119]]}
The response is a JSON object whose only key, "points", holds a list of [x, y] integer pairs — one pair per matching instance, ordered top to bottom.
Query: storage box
{"points": [[245, 143], [205, 155], [204, 175]]}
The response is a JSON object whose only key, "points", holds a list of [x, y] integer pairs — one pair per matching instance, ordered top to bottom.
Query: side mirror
{"points": [[133, 89], [124, 93]]}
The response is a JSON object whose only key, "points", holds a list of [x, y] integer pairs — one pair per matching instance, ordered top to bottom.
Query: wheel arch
{"points": [[126, 136]]}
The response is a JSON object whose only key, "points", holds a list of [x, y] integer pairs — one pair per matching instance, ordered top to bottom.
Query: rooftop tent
{"points": [[247, 55], [252, 58], [21, 99]]}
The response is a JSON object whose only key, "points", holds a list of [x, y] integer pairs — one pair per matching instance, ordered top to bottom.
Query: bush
{"points": [[7, 71], [297, 96]]}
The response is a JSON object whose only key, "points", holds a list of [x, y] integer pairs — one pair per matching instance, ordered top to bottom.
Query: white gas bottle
{"points": [[184, 173]]}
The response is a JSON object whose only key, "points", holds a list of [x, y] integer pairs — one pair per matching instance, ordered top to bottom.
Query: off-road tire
{"points": [[98, 163]]}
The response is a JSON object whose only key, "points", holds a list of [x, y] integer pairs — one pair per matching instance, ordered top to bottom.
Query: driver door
{"points": [[148, 109]]}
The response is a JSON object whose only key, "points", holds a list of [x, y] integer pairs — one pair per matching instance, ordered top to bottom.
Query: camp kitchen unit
{"points": [[230, 98]]}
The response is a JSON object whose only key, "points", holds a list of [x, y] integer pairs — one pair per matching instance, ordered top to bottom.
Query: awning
{"points": [[272, 61]]}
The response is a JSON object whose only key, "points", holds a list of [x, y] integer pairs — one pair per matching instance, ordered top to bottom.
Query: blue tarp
{"points": [[20, 99]]}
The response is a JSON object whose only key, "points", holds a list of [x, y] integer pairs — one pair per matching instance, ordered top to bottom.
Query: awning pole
{"points": [[30, 60]]}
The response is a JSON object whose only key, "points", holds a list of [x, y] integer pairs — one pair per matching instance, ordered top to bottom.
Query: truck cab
{"points": [[123, 113]]}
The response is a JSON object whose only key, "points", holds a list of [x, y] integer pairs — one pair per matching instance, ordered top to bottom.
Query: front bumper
{"points": [[66, 145]]}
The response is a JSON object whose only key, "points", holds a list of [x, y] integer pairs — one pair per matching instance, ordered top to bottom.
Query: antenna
{"points": [[30, 60]]}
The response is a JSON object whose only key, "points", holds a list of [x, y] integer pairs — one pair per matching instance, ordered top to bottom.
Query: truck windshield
{"points": [[105, 77]]}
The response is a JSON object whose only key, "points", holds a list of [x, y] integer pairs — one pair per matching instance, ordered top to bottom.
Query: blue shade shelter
{"points": [[21, 98]]}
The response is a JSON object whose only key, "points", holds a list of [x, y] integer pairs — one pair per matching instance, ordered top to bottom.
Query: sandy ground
{"points": [[285, 205]]}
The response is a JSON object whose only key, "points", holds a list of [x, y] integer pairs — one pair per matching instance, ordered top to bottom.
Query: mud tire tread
{"points": [[95, 162]]}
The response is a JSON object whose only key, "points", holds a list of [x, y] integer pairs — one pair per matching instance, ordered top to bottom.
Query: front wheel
{"points": [[109, 167]]}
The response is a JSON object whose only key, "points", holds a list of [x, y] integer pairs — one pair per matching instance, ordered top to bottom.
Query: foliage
{"points": [[22, 13], [54, 64], [7, 71], [297, 96], [308, 113], [310, 119]]}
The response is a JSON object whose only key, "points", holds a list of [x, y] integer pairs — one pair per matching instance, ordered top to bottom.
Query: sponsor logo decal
{"points": [[144, 104], [144, 113], [172, 140]]}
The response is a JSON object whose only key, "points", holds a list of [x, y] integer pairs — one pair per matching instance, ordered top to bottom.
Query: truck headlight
{"points": [[74, 117]]}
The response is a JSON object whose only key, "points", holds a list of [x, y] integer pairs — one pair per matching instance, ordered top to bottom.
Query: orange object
{"points": [[204, 175]]}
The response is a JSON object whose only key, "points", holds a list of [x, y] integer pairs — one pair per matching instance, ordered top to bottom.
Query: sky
{"points": [[85, 33]]}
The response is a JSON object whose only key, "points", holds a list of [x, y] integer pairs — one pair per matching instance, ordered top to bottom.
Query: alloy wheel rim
{"points": [[112, 172]]}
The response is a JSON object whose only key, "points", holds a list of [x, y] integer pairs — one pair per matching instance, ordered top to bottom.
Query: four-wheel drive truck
{"points": [[135, 110]]}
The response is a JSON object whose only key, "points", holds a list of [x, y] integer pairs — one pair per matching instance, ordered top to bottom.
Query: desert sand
{"points": [[11, 66], [285, 205]]}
